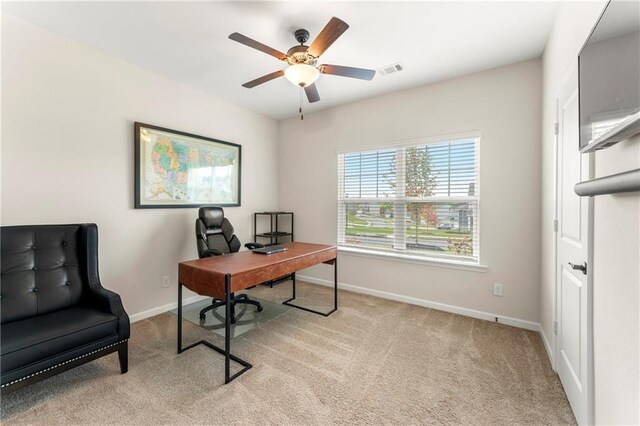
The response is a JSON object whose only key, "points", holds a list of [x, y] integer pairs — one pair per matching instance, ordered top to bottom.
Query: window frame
{"points": [[399, 254]]}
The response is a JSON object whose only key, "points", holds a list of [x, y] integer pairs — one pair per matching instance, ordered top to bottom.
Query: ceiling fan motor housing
{"points": [[299, 55]]}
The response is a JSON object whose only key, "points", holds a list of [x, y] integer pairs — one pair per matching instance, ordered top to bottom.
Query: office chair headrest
{"points": [[212, 217]]}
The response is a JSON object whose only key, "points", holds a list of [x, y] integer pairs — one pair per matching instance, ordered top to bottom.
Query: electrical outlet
{"points": [[165, 281], [497, 289]]}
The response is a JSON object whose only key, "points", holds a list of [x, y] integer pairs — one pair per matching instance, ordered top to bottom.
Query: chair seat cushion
{"points": [[33, 339]]}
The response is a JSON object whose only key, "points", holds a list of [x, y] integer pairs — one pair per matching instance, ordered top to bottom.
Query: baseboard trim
{"points": [[164, 308], [487, 316], [547, 347]]}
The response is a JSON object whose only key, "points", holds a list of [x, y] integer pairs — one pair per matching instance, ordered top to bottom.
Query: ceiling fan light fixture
{"points": [[302, 75]]}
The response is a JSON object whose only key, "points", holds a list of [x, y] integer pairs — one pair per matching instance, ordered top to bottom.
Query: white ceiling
{"points": [[187, 41]]}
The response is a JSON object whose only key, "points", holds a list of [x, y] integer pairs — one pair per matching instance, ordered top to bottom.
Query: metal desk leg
{"points": [[335, 294], [179, 318], [227, 326], [228, 356]]}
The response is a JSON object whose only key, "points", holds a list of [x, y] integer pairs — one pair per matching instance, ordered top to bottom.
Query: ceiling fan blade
{"points": [[327, 36], [257, 45], [360, 73], [263, 79], [312, 93]]}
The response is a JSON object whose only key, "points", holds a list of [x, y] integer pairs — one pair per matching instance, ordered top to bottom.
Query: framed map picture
{"points": [[177, 169]]}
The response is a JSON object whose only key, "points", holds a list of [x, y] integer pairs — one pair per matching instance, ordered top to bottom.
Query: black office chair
{"points": [[215, 237]]}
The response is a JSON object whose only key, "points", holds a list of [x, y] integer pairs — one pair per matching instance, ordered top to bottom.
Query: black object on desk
{"points": [[270, 250]]}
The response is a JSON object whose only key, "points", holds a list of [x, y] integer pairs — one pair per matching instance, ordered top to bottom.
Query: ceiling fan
{"points": [[302, 70]]}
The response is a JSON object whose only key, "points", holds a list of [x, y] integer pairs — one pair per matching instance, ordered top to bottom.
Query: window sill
{"points": [[442, 263]]}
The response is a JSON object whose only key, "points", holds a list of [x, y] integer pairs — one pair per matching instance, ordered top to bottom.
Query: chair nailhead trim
{"points": [[62, 363]]}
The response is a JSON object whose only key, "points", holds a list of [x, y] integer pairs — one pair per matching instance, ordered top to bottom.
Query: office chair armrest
{"points": [[252, 246], [210, 253]]}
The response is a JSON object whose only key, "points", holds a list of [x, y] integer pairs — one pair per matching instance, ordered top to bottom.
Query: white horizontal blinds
{"points": [[453, 167], [369, 174], [366, 176], [420, 199], [441, 199], [341, 215], [368, 224], [447, 230]]}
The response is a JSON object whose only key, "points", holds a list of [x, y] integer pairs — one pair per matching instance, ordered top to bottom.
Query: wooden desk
{"points": [[221, 276]]}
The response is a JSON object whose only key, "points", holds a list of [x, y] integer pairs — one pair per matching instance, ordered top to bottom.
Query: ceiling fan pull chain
{"points": [[300, 110]]}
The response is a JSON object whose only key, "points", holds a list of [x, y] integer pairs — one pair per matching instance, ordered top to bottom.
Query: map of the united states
{"points": [[188, 171]]}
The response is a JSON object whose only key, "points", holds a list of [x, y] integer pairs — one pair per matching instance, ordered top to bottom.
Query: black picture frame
{"points": [[150, 165]]}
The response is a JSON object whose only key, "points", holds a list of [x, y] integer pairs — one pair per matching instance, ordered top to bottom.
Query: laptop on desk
{"points": [[270, 250]]}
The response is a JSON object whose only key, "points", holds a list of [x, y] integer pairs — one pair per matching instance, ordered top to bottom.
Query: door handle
{"points": [[582, 267]]}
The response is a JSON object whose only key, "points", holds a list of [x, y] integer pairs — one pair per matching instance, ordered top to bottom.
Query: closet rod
{"points": [[620, 182]]}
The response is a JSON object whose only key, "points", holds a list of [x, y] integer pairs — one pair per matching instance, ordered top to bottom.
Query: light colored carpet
{"points": [[373, 362]]}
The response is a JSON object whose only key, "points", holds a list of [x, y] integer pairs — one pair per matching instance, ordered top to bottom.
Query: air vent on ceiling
{"points": [[390, 69]]}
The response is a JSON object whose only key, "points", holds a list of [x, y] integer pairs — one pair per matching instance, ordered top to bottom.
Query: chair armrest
{"points": [[252, 246], [210, 253], [108, 301]]}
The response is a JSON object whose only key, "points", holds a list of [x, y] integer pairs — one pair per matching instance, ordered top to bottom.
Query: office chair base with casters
{"points": [[241, 298]]}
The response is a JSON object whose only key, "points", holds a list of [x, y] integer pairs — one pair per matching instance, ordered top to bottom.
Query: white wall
{"points": [[503, 104], [67, 155], [616, 266], [616, 307]]}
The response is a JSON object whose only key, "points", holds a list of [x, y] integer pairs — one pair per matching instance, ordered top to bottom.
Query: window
{"points": [[419, 200]]}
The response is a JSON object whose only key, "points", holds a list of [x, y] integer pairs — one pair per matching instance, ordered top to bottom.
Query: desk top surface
{"points": [[206, 276]]}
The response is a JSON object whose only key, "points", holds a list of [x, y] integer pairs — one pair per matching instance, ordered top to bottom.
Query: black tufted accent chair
{"points": [[215, 237], [55, 313]]}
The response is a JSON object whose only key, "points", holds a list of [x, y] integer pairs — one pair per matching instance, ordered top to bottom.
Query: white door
{"points": [[573, 286]]}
